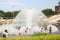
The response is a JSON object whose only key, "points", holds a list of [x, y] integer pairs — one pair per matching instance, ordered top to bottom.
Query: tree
{"points": [[1, 12], [48, 12], [15, 13], [8, 15]]}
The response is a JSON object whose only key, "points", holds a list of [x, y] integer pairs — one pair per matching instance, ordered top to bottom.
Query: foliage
{"points": [[1, 12], [48, 12], [15, 13], [9, 14], [45, 37]]}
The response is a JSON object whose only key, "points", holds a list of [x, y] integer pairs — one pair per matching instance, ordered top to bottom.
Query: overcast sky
{"points": [[10, 5]]}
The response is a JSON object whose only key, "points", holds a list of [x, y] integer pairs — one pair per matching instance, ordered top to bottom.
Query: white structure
{"points": [[30, 18], [30, 21]]}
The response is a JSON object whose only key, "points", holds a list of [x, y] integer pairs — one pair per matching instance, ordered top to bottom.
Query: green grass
{"points": [[40, 34], [36, 36]]}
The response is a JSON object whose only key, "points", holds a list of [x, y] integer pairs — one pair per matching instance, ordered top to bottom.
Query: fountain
{"points": [[29, 18], [34, 20], [30, 21]]}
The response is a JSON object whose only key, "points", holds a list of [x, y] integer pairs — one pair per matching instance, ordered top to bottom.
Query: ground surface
{"points": [[38, 36]]}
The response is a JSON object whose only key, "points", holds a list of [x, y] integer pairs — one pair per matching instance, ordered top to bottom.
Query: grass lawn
{"points": [[38, 36]]}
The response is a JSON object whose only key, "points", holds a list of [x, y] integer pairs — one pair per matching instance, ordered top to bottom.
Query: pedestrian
{"points": [[41, 29], [45, 29], [26, 30], [50, 30], [5, 33], [19, 33]]}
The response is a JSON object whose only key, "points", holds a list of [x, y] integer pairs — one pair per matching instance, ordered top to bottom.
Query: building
{"points": [[57, 8]]}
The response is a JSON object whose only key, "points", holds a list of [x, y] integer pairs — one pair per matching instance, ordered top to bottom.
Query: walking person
{"points": [[41, 29], [45, 29], [26, 30], [50, 30], [5, 33], [19, 33]]}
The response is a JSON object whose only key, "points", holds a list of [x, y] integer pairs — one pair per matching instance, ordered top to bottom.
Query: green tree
{"points": [[1, 12], [48, 12], [15, 13], [11, 14], [8, 15]]}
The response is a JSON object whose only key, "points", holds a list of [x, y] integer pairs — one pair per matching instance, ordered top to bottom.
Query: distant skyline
{"points": [[11, 5]]}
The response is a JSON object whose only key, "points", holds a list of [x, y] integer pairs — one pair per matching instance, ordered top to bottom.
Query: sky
{"points": [[11, 5]]}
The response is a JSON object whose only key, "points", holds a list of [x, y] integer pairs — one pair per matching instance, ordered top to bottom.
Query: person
{"points": [[19, 28], [41, 29], [45, 29], [26, 30], [50, 30], [19, 31], [5, 33]]}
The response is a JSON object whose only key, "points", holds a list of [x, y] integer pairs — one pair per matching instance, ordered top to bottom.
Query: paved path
{"points": [[53, 19]]}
